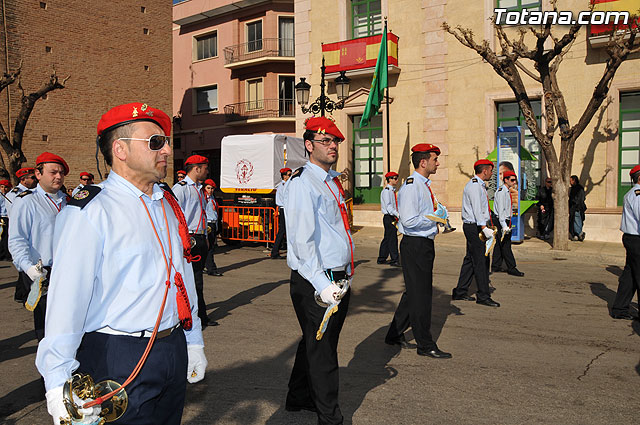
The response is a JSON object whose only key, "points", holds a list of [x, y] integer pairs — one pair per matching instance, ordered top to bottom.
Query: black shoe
{"points": [[448, 230], [581, 237], [275, 257], [381, 262], [395, 264], [498, 270], [515, 272], [215, 273], [463, 298], [488, 302], [623, 316], [402, 342], [436, 353], [292, 408]]}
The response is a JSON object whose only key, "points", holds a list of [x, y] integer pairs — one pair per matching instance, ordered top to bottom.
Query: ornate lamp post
{"points": [[323, 103]]}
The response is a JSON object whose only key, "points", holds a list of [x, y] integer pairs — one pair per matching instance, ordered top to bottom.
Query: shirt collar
{"points": [[320, 174], [422, 179], [118, 181], [189, 181], [482, 182], [21, 186], [391, 187], [40, 190]]}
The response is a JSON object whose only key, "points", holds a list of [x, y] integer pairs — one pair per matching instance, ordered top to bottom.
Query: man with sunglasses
{"points": [[181, 174], [285, 174], [85, 179], [27, 181], [194, 204], [389, 206], [502, 212], [320, 255], [134, 280]]}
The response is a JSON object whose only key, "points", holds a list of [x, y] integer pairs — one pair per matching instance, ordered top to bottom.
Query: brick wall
{"points": [[115, 51]]}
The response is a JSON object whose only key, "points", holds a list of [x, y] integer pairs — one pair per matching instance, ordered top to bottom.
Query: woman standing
{"points": [[577, 207]]}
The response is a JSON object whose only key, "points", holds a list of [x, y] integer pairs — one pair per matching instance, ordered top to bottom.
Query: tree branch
{"points": [[529, 73]]}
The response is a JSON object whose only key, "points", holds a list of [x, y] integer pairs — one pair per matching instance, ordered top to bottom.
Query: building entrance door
{"points": [[367, 160]]}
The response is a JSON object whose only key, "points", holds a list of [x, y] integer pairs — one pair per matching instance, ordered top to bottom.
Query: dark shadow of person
{"points": [[601, 291], [224, 308], [10, 348], [20, 398]]}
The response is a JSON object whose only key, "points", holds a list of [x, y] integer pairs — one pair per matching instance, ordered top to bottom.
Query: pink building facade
{"points": [[233, 73]]}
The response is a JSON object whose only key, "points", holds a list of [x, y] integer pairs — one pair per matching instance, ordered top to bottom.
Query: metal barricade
{"points": [[255, 224]]}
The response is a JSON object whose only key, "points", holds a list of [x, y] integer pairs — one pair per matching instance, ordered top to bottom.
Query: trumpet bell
{"points": [[84, 388], [115, 407]]}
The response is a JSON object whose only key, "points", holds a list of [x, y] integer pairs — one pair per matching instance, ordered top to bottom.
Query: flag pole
{"points": [[388, 129]]}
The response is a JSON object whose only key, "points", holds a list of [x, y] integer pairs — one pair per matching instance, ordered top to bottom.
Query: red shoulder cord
{"points": [[433, 200], [345, 216], [182, 298]]}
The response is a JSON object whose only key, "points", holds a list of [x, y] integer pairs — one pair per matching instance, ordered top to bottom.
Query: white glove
{"points": [[506, 229], [488, 233], [34, 274], [328, 294], [197, 363], [56, 408]]}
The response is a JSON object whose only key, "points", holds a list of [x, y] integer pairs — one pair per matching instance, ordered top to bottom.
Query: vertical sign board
{"points": [[509, 139]]}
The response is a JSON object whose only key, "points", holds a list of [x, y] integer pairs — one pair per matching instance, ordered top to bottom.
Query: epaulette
{"points": [[297, 173], [409, 180], [475, 180], [182, 183], [166, 188], [387, 188], [500, 188], [14, 190], [637, 192], [25, 193], [84, 196]]}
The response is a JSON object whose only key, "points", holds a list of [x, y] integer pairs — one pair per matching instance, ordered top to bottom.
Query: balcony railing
{"points": [[265, 47], [255, 109]]}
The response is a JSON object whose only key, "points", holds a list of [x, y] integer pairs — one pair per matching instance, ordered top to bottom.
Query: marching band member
{"points": [[285, 174], [85, 179], [27, 181], [389, 206], [502, 211], [212, 226]]}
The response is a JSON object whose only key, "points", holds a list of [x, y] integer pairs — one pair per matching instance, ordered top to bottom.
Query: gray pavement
{"points": [[550, 354]]}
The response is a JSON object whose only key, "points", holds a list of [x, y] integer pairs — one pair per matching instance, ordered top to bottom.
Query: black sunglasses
{"points": [[156, 141]]}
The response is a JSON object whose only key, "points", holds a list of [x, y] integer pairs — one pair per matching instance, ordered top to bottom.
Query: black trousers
{"points": [[545, 222], [282, 231], [389, 244], [200, 248], [502, 251], [5, 255], [210, 263], [475, 264], [629, 282], [22, 290], [625, 292], [41, 308], [414, 309], [314, 378], [156, 395]]}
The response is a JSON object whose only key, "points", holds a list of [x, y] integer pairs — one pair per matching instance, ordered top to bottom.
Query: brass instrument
{"points": [[483, 238], [489, 243], [84, 388]]}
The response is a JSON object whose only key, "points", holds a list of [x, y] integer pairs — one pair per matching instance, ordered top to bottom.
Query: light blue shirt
{"points": [[279, 193], [13, 194], [388, 201], [193, 203], [414, 203], [475, 203], [502, 205], [3, 207], [212, 210], [630, 222], [31, 228], [316, 237], [110, 271]]}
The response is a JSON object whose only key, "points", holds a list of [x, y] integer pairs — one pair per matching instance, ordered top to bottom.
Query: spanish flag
{"points": [[631, 6], [358, 53]]}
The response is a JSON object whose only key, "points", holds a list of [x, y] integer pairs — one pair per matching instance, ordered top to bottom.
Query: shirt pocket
{"points": [[138, 264]]}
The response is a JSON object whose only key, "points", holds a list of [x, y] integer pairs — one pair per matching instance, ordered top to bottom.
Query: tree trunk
{"points": [[560, 214]]}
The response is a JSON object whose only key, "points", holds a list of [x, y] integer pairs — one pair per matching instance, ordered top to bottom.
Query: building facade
{"points": [[114, 52], [233, 68], [443, 93]]}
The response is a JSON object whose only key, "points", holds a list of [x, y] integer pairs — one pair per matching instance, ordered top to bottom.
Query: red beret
{"points": [[133, 112], [323, 125], [426, 147], [46, 157], [196, 159], [483, 162], [285, 170], [634, 170], [24, 171], [181, 172], [508, 173], [85, 174], [390, 174], [210, 182], [5, 183]]}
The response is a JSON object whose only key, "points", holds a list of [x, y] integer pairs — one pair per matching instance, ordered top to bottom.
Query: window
{"points": [[517, 5], [366, 18], [254, 36], [286, 40], [207, 46], [254, 94], [286, 96], [207, 99], [509, 114], [629, 134], [368, 159]]}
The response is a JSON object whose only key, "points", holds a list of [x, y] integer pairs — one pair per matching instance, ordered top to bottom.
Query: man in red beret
{"points": [[181, 174], [285, 174], [86, 178], [27, 181], [5, 185], [192, 200], [416, 204], [389, 206], [502, 212], [476, 218], [212, 226], [31, 232], [320, 255], [131, 300]]}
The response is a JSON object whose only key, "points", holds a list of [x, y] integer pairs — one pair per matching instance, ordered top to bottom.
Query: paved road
{"points": [[550, 354]]}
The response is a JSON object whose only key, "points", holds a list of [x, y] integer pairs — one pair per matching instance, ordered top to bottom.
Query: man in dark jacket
{"points": [[577, 207], [545, 210]]}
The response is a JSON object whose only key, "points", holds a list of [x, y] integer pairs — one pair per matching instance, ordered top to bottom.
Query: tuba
{"points": [[84, 388]]}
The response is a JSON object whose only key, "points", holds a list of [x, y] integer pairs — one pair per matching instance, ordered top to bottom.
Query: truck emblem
{"points": [[244, 171]]}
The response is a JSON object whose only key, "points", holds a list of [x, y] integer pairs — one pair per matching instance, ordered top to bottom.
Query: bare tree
{"points": [[547, 55], [12, 146]]}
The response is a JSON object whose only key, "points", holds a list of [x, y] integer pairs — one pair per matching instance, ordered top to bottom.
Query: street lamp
{"points": [[323, 103]]}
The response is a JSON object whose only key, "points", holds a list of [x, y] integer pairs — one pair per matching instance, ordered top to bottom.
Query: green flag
{"points": [[378, 84]]}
